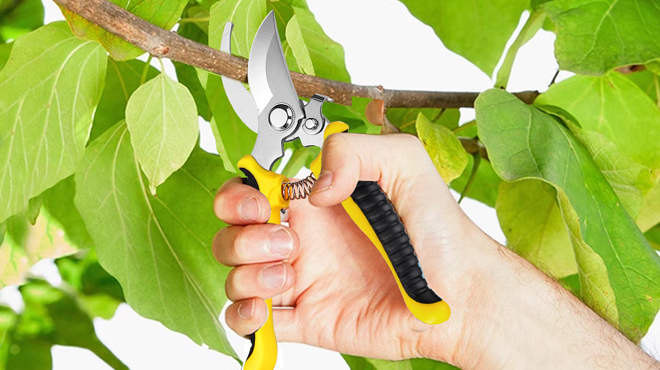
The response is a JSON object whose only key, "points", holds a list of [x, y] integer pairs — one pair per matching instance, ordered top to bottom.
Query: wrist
{"points": [[467, 280]]}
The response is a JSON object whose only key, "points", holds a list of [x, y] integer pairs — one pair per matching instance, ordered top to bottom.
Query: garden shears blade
{"points": [[273, 110]]}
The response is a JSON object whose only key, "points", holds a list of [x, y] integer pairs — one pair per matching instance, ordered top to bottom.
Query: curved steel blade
{"points": [[268, 74], [239, 97], [280, 110]]}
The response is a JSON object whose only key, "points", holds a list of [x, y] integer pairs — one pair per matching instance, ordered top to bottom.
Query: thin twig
{"points": [[165, 44], [554, 78]]}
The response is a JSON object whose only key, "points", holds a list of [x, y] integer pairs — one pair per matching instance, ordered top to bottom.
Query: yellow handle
{"points": [[430, 313], [263, 354]]}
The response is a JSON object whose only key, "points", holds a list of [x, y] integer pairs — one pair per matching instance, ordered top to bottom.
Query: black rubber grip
{"points": [[249, 179], [383, 218], [253, 338]]}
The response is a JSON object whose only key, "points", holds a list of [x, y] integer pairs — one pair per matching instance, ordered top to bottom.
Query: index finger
{"points": [[240, 204]]}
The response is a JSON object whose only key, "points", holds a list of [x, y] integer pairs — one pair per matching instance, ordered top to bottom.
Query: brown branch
{"points": [[165, 44]]}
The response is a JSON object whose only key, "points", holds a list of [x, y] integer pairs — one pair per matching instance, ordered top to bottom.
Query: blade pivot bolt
{"points": [[281, 117]]}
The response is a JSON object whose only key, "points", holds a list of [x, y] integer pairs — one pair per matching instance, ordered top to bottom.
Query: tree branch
{"points": [[165, 44]]}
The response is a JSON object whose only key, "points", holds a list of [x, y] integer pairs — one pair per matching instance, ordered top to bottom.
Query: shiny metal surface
{"points": [[239, 97], [272, 107]]}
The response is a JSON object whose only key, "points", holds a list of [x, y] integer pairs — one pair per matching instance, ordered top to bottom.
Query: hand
{"points": [[344, 295], [506, 314]]}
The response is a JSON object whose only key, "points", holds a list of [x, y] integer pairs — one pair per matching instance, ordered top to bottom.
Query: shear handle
{"points": [[375, 215], [263, 354]]}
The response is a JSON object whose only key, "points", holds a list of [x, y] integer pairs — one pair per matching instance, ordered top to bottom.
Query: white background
{"points": [[384, 45]]}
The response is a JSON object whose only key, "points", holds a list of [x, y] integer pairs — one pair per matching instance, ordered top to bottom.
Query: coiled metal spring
{"points": [[298, 189]]}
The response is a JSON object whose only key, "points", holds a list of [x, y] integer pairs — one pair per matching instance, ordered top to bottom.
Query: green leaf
{"points": [[163, 14], [197, 15], [246, 15], [20, 17], [531, 27], [477, 30], [194, 32], [594, 37], [297, 44], [5, 51], [326, 55], [653, 66], [187, 75], [121, 80], [648, 82], [48, 91], [603, 103], [354, 115], [405, 118], [162, 119], [524, 142], [444, 148], [627, 154], [301, 157], [485, 185], [59, 207], [33, 209], [649, 212], [532, 223], [58, 230], [653, 236], [25, 244], [158, 248], [572, 284], [595, 285], [98, 293], [51, 316], [7, 317], [25, 353], [361, 363]]}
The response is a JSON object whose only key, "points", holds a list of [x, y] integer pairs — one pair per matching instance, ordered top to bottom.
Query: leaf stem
{"points": [[191, 20], [533, 24], [145, 71], [657, 90], [463, 127], [296, 162], [473, 175]]}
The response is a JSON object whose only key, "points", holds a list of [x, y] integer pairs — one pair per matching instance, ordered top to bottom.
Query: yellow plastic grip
{"points": [[430, 313], [263, 355]]}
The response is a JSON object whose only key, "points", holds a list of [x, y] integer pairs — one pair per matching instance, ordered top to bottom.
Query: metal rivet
{"points": [[311, 124]]}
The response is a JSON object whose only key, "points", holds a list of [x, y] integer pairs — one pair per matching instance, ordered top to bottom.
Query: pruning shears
{"points": [[273, 110]]}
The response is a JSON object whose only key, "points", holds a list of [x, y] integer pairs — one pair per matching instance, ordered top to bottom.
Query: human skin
{"points": [[506, 314]]}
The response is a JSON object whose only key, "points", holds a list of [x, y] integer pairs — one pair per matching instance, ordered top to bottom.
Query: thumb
{"points": [[398, 162], [405, 172]]}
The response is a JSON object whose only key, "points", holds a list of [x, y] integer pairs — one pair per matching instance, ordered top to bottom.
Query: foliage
{"points": [[101, 159], [59, 315]]}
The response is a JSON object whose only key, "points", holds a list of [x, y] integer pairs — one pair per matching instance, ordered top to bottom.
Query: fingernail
{"points": [[323, 183], [249, 209], [280, 243], [274, 276], [246, 310]]}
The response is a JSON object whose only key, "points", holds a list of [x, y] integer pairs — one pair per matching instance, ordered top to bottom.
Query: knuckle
{"points": [[410, 142], [334, 144], [411, 145], [217, 245], [224, 245], [231, 284]]}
